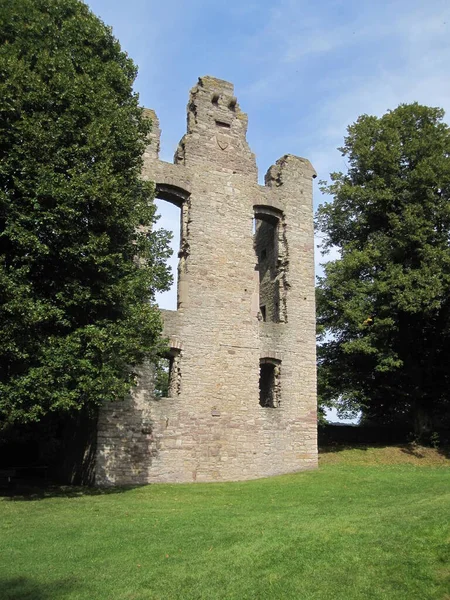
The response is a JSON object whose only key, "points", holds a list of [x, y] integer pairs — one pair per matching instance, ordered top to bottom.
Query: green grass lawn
{"points": [[350, 530]]}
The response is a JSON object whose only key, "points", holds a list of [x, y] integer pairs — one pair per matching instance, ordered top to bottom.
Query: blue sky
{"points": [[302, 70]]}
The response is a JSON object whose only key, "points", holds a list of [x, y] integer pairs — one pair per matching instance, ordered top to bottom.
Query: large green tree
{"points": [[78, 265], [384, 303]]}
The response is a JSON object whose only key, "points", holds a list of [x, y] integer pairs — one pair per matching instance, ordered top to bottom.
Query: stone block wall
{"points": [[245, 317]]}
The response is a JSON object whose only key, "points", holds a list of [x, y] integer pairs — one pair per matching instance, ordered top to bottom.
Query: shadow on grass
{"points": [[341, 447], [411, 449], [420, 451], [444, 451], [19, 493], [23, 588]]}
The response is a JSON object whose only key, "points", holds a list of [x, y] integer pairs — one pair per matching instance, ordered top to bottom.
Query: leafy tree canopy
{"points": [[384, 304], [76, 311]]}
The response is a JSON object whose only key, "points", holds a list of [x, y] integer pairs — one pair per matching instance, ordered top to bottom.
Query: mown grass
{"points": [[348, 531]]}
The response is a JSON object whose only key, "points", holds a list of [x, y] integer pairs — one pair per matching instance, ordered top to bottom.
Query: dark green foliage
{"points": [[384, 305], [75, 308]]}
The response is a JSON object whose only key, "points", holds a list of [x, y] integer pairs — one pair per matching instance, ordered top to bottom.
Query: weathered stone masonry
{"points": [[243, 387]]}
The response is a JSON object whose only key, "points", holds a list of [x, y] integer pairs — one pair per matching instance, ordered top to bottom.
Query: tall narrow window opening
{"points": [[173, 206], [169, 219], [272, 261], [162, 376], [167, 378], [269, 383]]}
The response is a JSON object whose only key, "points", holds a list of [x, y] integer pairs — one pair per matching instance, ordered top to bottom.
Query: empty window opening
{"points": [[223, 124], [169, 219], [266, 248], [272, 258], [262, 310], [162, 376], [167, 379], [269, 383]]}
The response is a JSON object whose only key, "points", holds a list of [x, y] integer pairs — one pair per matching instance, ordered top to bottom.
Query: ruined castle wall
{"points": [[213, 426]]}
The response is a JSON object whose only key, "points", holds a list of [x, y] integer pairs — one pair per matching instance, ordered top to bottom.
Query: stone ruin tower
{"points": [[242, 390]]}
